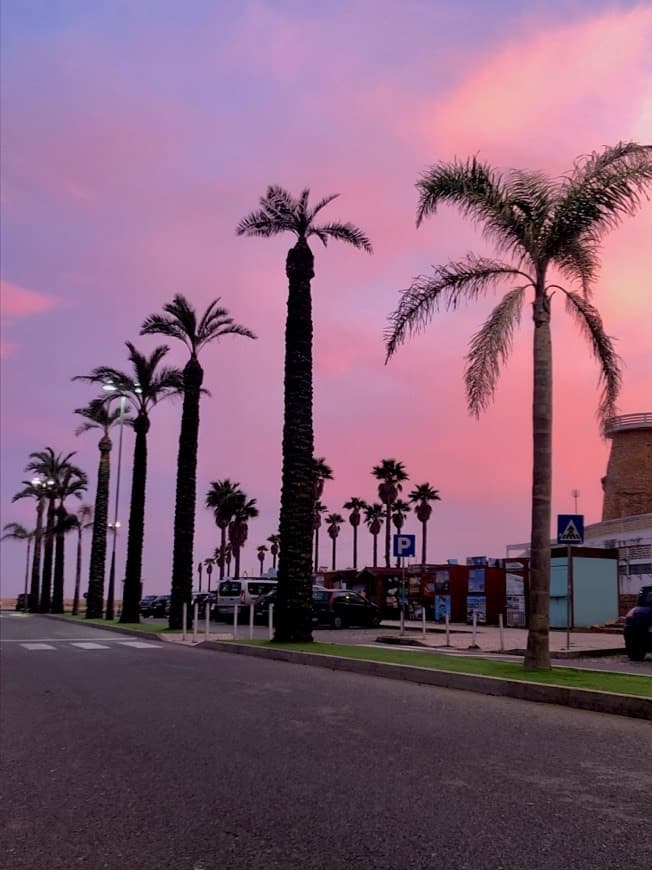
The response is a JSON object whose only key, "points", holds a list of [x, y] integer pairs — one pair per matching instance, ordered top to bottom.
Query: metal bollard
{"points": [[423, 620], [184, 621], [208, 621], [251, 621], [271, 621], [194, 622], [235, 622], [475, 627], [447, 629], [500, 629]]}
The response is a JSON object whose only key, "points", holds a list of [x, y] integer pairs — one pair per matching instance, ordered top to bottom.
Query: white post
{"points": [[423, 619], [208, 620], [402, 620], [251, 621], [184, 622], [235, 622], [271, 622], [194, 623], [475, 626], [500, 629], [447, 634]]}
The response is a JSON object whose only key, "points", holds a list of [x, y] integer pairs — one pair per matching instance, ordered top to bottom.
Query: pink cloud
{"points": [[20, 302]]}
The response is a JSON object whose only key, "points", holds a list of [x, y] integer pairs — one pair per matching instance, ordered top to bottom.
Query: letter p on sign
{"points": [[404, 545]]}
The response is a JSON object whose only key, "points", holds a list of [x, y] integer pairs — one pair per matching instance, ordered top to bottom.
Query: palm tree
{"points": [[279, 212], [539, 225], [181, 321], [145, 386], [98, 415], [321, 473], [391, 473], [72, 482], [36, 489], [421, 496], [219, 499], [355, 505], [244, 509], [318, 509], [400, 510], [373, 517], [82, 519], [334, 521], [19, 533], [273, 540], [262, 549], [210, 564]]}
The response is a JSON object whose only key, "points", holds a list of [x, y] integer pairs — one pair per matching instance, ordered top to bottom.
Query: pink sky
{"points": [[133, 144]]}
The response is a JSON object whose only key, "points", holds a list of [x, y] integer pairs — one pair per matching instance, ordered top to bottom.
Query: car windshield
{"points": [[230, 587], [260, 588], [320, 597], [645, 598]]}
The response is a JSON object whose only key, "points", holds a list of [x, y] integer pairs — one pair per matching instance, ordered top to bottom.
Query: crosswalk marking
{"points": [[138, 644], [90, 645], [37, 646]]}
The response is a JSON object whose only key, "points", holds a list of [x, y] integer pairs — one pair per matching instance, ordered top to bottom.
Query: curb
{"points": [[134, 632], [558, 654], [580, 699]]}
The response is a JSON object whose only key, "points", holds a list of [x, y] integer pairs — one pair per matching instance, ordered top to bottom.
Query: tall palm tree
{"points": [[279, 212], [547, 230], [182, 322], [147, 384], [99, 415], [51, 467], [321, 473], [391, 473], [73, 482], [36, 489], [421, 496], [219, 499], [355, 505], [244, 509], [318, 509], [400, 510], [373, 517], [82, 519], [334, 521], [19, 533], [262, 549], [273, 549]]}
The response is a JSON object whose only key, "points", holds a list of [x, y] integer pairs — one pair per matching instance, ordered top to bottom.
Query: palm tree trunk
{"points": [[186, 494], [387, 533], [424, 536], [375, 537], [29, 548], [355, 548], [316, 549], [48, 552], [222, 552], [333, 552], [236, 562], [36, 563], [59, 563], [96, 568], [133, 571], [75, 598], [294, 602], [537, 655]]}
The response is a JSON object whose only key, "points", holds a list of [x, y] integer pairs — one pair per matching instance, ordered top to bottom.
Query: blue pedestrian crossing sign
{"points": [[570, 528], [405, 545]]}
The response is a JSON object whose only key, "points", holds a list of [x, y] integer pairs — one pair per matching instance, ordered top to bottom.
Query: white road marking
{"points": [[139, 644], [37, 646], [90, 646]]}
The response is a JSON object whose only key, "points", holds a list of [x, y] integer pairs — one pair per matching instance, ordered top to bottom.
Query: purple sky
{"points": [[136, 134]]}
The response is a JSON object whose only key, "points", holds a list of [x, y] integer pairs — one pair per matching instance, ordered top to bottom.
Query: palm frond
{"points": [[322, 204], [258, 223], [344, 232], [579, 261], [465, 279], [590, 323], [159, 324], [490, 347]]}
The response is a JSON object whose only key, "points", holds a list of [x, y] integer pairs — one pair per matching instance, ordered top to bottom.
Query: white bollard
{"points": [[402, 620], [423, 620], [184, 621], [208, 621], [251, 621], [235, 622], [271, 622], [194, 623], [475, 627], [500, 629], [447, 634]]}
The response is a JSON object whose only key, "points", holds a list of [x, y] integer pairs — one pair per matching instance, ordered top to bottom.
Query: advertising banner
{"points": [[476, 581], [477, 604], [442, 607]]}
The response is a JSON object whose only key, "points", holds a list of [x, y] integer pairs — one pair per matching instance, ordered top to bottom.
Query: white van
{"points": [[242, 592]]}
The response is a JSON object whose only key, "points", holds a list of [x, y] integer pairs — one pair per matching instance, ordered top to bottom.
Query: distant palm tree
{"points": [[279, 212], [539, 224], [181, 321], [147, 384], [99, 415], [391, 473], [73, 482], [35, 489], [421, 496], [219, 499], [355, 505], [244, 509], [318, 510], [400, 510], [373, 517], [83, 519], [334, 521], [19, 533], [273, 540], [262, 549], [210, 564]]}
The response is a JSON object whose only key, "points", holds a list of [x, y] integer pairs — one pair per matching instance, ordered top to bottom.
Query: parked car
{"points": [[242, 592], [202, 600], [22, 602], [155, 605], [262, 605], [339, 608], [638, 626]]}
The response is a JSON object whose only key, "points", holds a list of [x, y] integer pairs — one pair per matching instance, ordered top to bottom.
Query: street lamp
{"points": [[110, 387], [576, 494]]}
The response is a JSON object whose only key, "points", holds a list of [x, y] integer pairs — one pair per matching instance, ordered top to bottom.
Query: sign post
{"points": [[570, 530], [404, 545]]}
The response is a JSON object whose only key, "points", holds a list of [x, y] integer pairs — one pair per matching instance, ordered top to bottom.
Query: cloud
{"points": [[20, 302]]}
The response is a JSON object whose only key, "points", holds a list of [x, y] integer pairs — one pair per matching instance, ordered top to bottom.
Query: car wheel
{"points": [[338, 621], [635, 650]]}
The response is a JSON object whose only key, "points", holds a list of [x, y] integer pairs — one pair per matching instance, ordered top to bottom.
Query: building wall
{"points": [[628, 483], [632, 536]]}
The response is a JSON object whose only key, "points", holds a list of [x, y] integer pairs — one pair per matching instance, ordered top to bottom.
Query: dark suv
{"points": [[155, 605], [340, 607], [638, 626]]}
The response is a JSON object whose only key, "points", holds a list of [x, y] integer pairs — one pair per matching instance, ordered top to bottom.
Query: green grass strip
{"points": [[154, 628], [603, 681]]}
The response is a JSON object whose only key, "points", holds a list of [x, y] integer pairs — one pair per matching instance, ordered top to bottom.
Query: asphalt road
{"points": [[158, 757]]}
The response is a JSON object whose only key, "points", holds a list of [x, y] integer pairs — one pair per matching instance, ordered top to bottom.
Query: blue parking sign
{"points": [[404, 545]]}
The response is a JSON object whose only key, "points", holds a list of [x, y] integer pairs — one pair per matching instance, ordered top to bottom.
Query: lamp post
{"points": [[576, 494], [115, 525], [199, 570]]}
